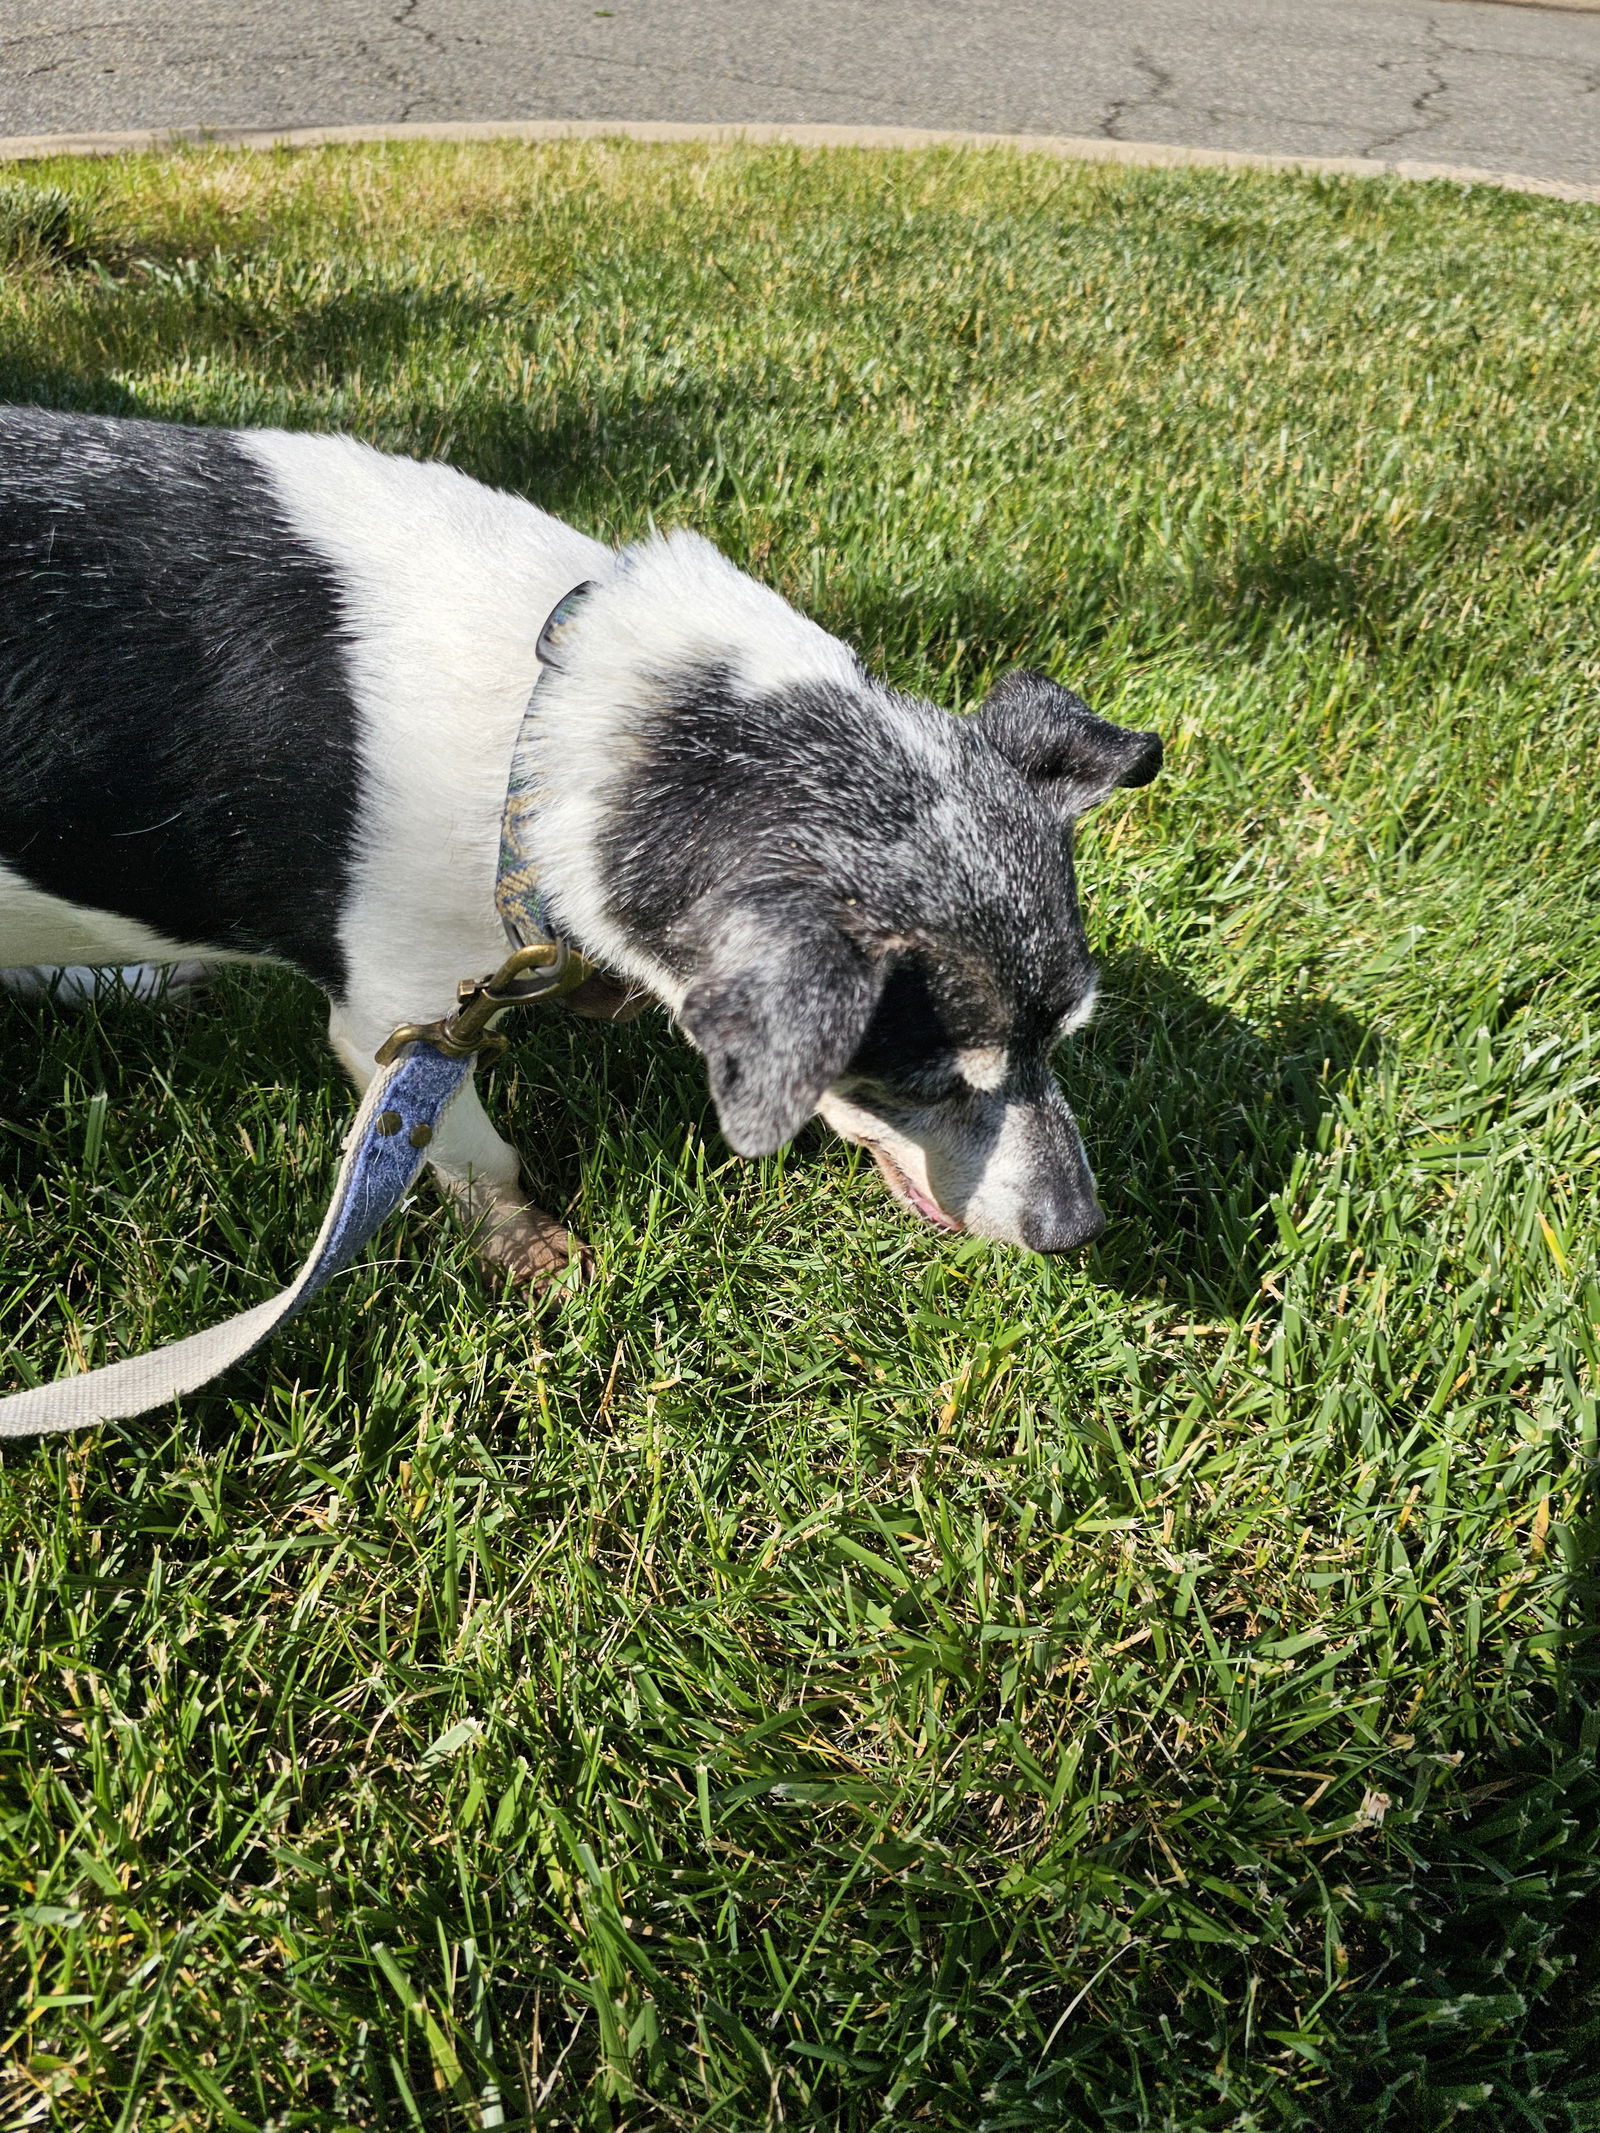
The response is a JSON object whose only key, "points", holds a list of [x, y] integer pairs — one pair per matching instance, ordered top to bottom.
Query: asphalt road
{"points": [[1501, 87]]}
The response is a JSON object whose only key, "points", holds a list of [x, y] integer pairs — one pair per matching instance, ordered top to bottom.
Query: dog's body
{"points": [[258, 699]]}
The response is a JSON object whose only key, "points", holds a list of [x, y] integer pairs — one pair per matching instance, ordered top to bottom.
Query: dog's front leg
{"points": [[478, 1171], [482, 1175]]}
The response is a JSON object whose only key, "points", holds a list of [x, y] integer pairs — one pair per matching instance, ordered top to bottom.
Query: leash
{"points": [[425, 1065]]}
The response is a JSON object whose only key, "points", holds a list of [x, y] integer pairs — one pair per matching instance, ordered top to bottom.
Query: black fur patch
{"points": [[178, 740], [1058, 744], [908, 1047]]}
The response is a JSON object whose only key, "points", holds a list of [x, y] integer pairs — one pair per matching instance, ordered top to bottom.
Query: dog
{"points": [[259, 692]]}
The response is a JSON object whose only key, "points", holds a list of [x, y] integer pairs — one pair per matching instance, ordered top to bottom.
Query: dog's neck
{"points": [[624, 660]]}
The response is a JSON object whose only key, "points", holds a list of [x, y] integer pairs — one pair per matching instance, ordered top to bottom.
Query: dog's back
{"points": [[165, 652], [222, 659]]}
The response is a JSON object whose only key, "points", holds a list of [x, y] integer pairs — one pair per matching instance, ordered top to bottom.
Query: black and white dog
{"points": [[258, 698]]}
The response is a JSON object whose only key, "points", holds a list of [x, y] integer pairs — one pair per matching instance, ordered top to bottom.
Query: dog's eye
{"points": [[933, 1084]]}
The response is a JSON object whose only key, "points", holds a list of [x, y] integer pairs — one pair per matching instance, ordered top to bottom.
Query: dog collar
{"points": [[517, 894], [541, 965]]}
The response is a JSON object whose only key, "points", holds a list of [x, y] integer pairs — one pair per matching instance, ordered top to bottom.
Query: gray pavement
{"points": [[1499, 87]]}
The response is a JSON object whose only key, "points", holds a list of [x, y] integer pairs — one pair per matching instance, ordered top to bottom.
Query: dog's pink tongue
{"points": [[903, 1189], [930, 1208]]}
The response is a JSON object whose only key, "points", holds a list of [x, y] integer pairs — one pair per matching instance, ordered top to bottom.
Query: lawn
{"points": [[823, 1673]]}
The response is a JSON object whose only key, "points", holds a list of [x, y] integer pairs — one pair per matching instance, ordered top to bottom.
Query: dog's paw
{"points": [[529, 1247]]}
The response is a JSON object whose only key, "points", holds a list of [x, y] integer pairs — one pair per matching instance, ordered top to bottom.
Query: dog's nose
{"points": [[1062, 1225]]}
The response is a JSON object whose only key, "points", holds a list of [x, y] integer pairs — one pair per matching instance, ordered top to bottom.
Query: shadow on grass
{"points": [[291, 317], [28, 379], [599, 452], [1305, 578], [1232, 596], [114, 1107], [1193, 1116], [1479, 2003]]}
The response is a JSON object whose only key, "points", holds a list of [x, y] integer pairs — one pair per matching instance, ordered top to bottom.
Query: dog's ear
{"points": [[1058, 744], [777, 1010]]}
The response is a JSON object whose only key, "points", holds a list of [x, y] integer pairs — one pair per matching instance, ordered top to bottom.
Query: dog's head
{"points": [[859, 905]]}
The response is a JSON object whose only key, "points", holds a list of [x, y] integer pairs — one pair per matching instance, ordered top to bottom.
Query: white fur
{"points": [[444, 586], [677, 601], [36, 928], [81, 984], [1079, 1017], [983, 1066], [894, 1151], [984, 1176], [997, 1202]]}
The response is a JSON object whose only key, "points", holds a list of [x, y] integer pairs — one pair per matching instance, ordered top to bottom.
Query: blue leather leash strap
{"points": [[424, 1068]]}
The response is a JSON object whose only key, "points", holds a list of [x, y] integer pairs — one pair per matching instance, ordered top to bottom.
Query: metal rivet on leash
{"points": [[388, 1123], [420, 1134]]}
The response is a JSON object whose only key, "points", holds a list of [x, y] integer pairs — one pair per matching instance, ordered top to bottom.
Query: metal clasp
{"points": [[548, 969]]}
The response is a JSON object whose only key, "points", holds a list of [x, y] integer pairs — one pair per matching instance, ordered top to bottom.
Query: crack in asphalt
{"points": [[402, 20], [83, 29], [1438, 47], [1495, 52], [1564, 65], [393, 72], [1580, 81], [1160, 83]]}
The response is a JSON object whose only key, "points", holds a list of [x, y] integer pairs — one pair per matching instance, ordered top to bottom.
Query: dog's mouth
{"points": [[912, 1196]]}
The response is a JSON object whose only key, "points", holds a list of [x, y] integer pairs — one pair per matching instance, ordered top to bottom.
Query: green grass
{"points": [[824, 1674]]}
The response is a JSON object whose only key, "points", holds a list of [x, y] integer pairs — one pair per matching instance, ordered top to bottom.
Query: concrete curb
{"points": [[30, 147]]}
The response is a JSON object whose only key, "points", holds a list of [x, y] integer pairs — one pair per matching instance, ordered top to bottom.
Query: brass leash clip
{"points": [[547, 970]]}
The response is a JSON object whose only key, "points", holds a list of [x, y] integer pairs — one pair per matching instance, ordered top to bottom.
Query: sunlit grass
{"points": [[823, 1673]]}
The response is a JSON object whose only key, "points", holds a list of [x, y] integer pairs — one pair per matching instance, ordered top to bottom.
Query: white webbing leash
{"points": [[425, 1066], [380, 1165]]}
